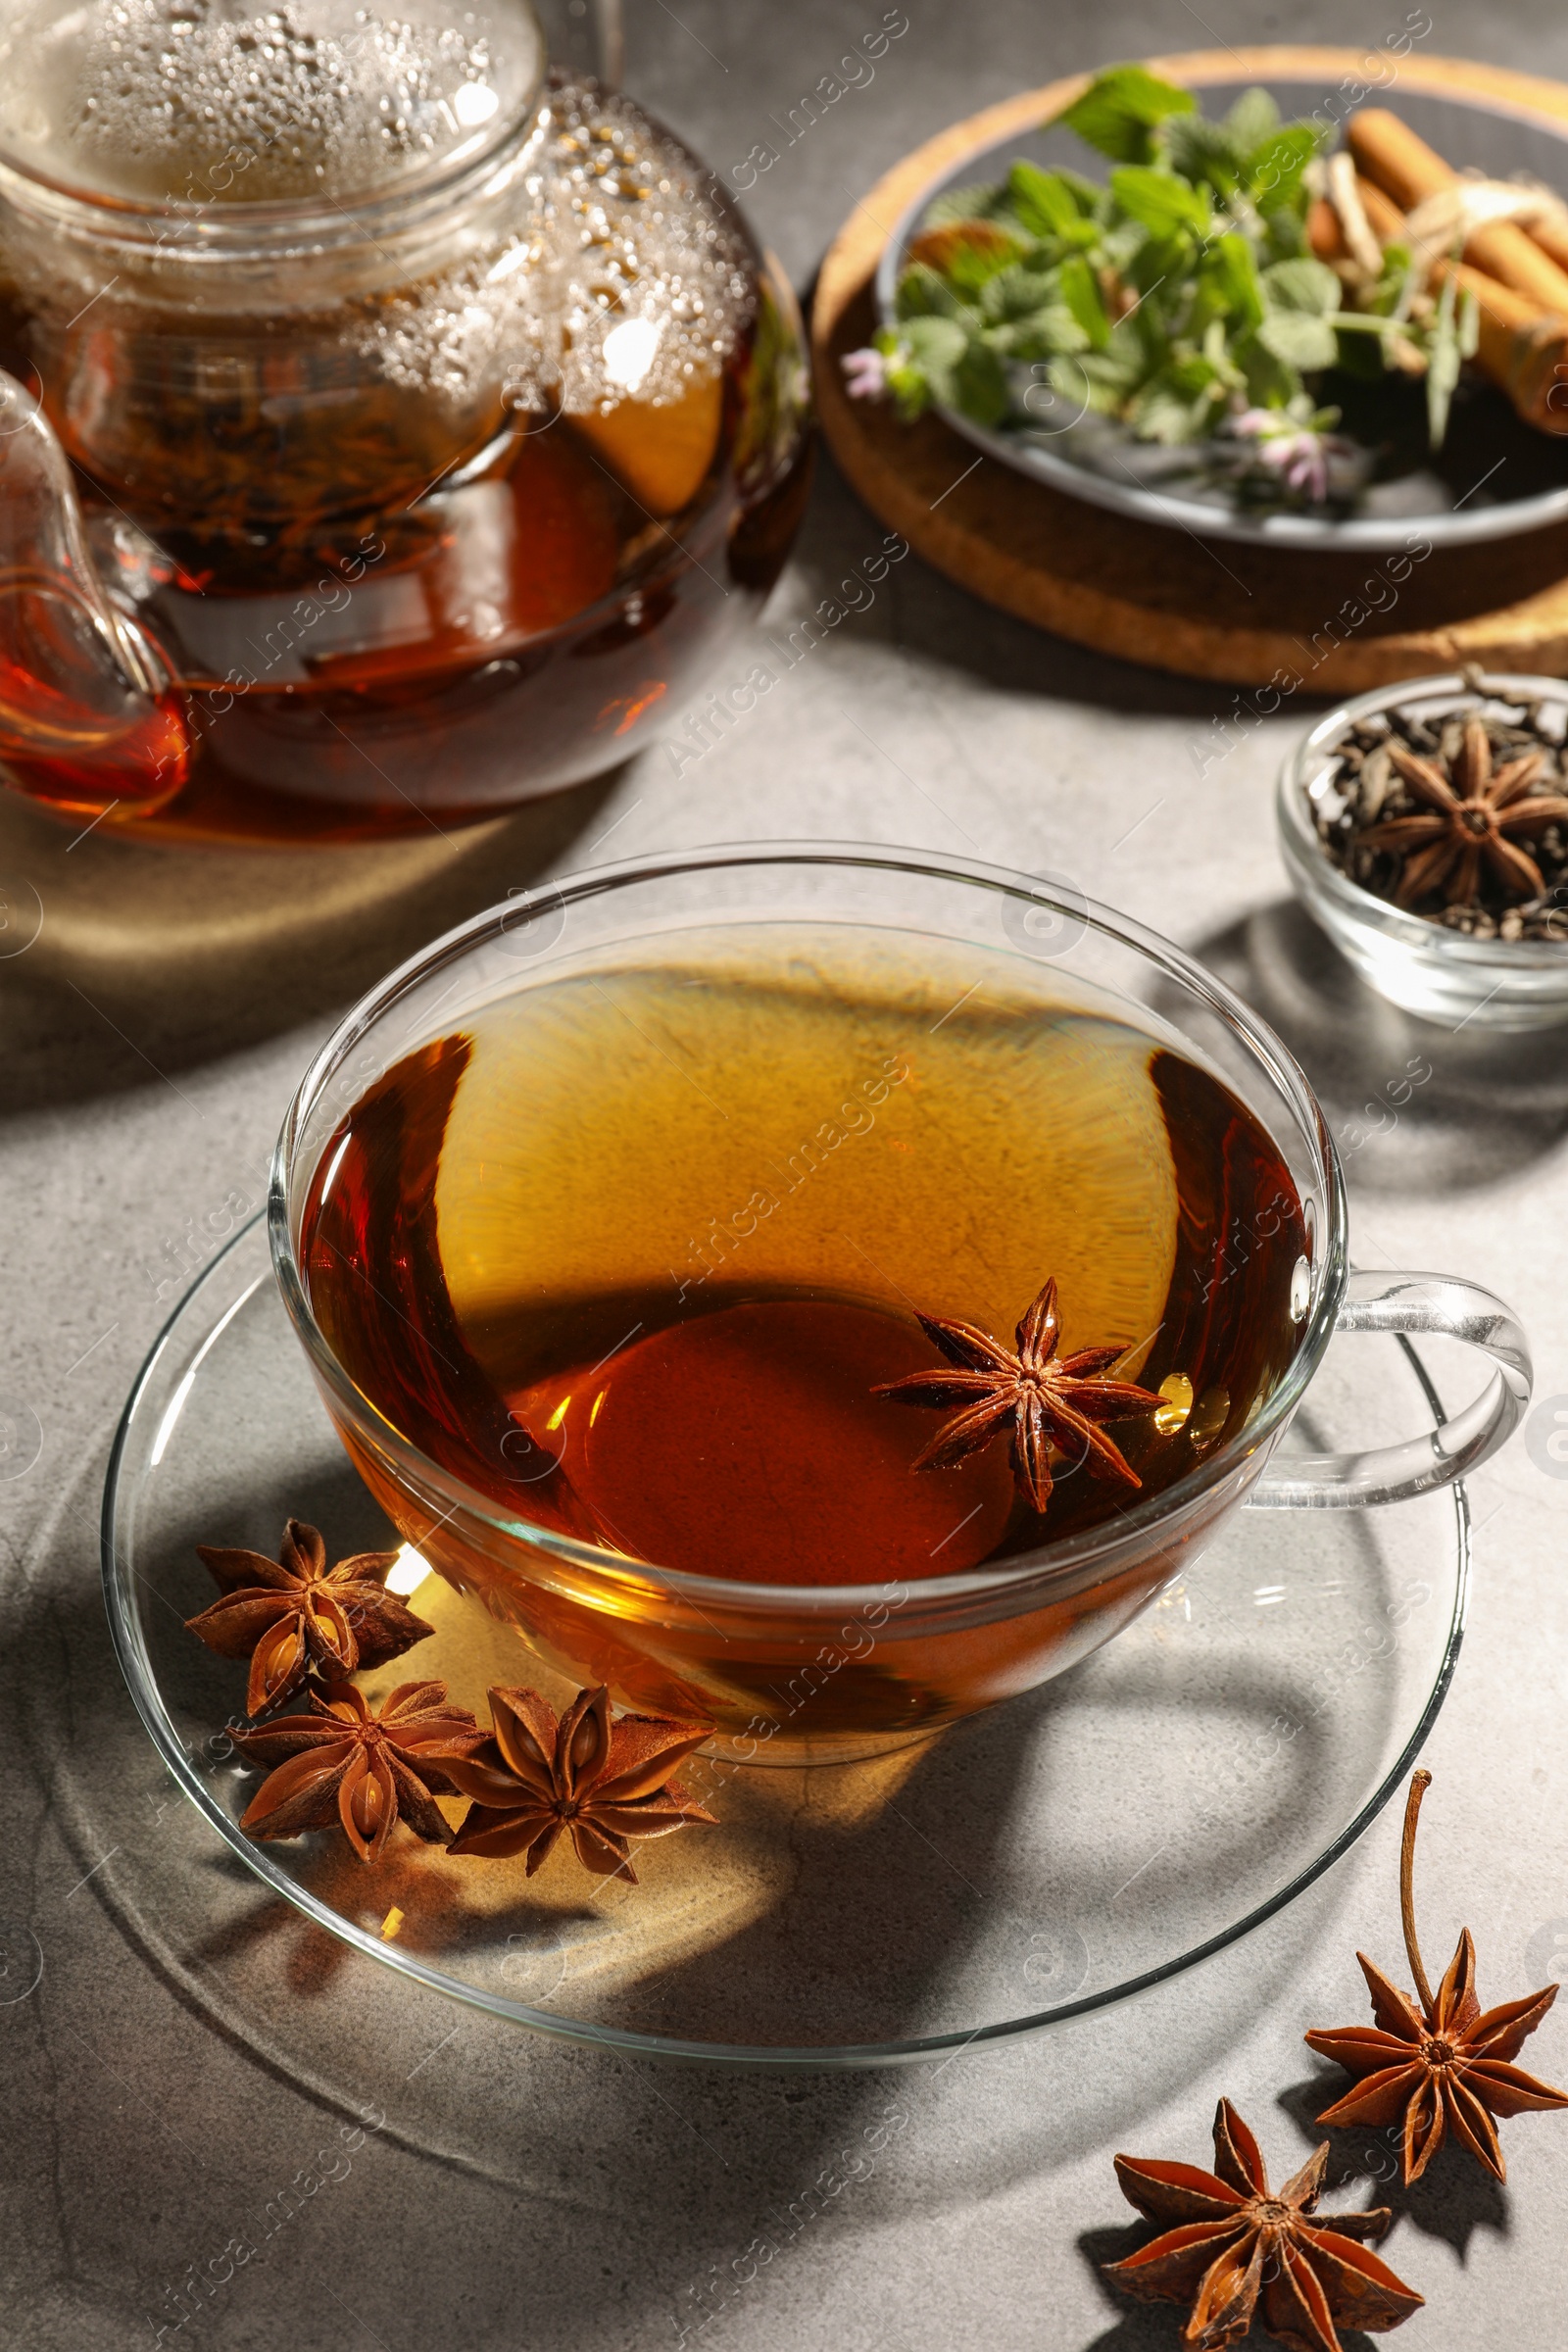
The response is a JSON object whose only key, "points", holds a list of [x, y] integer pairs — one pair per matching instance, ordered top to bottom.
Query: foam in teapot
{"points": [[204, 99]]}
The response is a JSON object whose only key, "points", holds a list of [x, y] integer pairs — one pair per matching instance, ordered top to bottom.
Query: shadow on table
{"points": [[939, 623], [122, 962], [1490, 1102], [1453, 2197], [1137, 2326]]}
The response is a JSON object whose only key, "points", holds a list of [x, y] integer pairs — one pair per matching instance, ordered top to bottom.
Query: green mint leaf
{"points": [[1120, 111], [1250, 119], [1200, 150], [1272, 172], [1093, 200], [1043, 202], [1160, 202], [979, 203], [1284, 235], [1121, 245], [971, 261], [1228, 283], [1305, 286], [1080, 291], [1016, 292], [923, 294], [1048, 333], [1299, 340], [936, 344], [924, 363], [1102, 378], [1271, 382], [980, 385], [911, 394], [1180, 403]]}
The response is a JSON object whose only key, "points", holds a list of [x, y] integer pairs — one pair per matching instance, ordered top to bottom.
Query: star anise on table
{"points": [[1466, 821], [1041, 1398], [294, 1613], [345, 1763], [605, 1781], [1447, 2065], [1234, 2241]]}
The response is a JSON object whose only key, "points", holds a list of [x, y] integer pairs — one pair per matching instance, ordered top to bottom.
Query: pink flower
{"points": [[865, 374], [1298, 455], [1300, 459]]}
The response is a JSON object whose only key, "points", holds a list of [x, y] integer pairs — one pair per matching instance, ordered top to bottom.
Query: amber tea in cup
{"points": [[632, 1250]]}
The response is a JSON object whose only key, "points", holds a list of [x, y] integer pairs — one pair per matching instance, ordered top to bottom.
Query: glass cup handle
{"points": [[1414, 1302]]}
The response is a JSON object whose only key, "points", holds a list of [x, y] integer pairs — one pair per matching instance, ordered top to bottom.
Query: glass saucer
{"points": [[1056, 1855]]}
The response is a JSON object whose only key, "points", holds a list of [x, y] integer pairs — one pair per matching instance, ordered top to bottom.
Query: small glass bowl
{"points": [[1437, 975]]}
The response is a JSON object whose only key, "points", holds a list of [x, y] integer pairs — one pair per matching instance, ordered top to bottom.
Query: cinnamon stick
{"points": [[1390, 153], [1384, 216], [1324, 235], [1552, 238], [1522, 351], [1525, 355]]}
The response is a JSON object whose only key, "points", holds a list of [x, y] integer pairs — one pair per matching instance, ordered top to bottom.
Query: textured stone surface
{"points": [[518, 2192]]}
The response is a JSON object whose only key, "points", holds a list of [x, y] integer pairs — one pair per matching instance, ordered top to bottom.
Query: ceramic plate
{"points": [[1494, 476]]}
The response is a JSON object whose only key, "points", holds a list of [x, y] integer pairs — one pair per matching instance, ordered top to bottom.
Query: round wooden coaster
{"points": [[1287, 619]]}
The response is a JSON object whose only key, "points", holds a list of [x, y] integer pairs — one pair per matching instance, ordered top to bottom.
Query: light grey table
{"points": [[515, 2192]]}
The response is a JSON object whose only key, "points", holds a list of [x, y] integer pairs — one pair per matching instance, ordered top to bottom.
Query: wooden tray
{"points": [[1254, 616]]}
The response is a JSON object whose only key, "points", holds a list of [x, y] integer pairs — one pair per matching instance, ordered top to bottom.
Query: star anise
{"points": [[1469, 815], [1047, 1400], [292, 1613], [343, 1763], [605, 1781], [1448, 2065], [1234, 2240]]}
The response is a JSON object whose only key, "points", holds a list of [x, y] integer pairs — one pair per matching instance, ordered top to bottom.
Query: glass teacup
{"points": [[496, 1478]]}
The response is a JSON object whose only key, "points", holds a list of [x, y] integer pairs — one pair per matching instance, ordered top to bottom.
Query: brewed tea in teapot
{"points": [[431, 417]]}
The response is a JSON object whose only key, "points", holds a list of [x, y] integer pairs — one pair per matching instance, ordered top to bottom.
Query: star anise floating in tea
{"points": [[1470, 810], [1040, 1399], [294, 1613], [344, 1763], [604, 1782], [1447, 2065], [1232, 2242]]}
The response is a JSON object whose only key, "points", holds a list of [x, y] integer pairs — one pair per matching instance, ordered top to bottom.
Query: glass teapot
{"points": [[391, 429]]}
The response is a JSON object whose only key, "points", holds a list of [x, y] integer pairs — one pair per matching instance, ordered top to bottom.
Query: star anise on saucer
{"points": [[1469, 814], [1043, 1399], [294, 1613], [345, 1763], [605, 1781], [1447, 2065], [1234, 2242]]}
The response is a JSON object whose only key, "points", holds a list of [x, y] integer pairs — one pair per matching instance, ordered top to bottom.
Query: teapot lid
{"points": [[181, 103]]}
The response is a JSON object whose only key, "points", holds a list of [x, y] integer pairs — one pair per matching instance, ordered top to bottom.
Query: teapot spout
{"points": [[90, 719]]}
